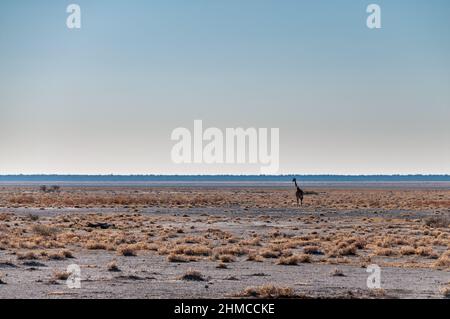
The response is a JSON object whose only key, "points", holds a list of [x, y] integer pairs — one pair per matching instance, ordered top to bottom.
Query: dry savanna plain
{"points": [[224, 242]]}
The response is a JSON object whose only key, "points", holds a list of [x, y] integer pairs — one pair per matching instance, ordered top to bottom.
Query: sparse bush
{"points": [[33, 217], [438, 222], [45, 231], [93, 245], [192, 250], [231, 250], [312, 250], [344, 250], [407, 250], [127, 251], [424, 251], [385, 252], [270, 253], [31, 255], [60, 255], [56, 256], [255, 257], [176, 258], [226, 258], [294, 260], [444, 260], [221, 265], [112, 266], [337, 273], [61, 275], [192, 275], [267, 291], [445, 291], [377, 293]]}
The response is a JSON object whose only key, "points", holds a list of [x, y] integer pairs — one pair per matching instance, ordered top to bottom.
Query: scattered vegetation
{"points": [[213, 238]]}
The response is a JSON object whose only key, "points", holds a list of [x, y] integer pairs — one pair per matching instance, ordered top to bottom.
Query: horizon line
{"points": [[227, 175]]}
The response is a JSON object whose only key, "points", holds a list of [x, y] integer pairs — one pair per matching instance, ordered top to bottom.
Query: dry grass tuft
{"points": [[33, 217], [438, 222], [43, 230], [94, 245], [192, 250], [231, 250], [312, 250], [343, 250], [127, 251], [407, 251], [424, 251], [385, 252], [67, 253], [270, 253], [30, 255], [60, 255], [176, 258], [226, 258], [255, 258], [294, 260], [444, 260], [222, 265], [112, 266], [337, 273], [61, 275], [192, 275], [267, 291], [445, 291], [377, 293]]}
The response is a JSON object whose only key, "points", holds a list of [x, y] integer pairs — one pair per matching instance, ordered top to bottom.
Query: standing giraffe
{"points": [[299, 193]]}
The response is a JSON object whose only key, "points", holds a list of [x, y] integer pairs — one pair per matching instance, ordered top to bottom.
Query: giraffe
{"points": [[299, 194]]}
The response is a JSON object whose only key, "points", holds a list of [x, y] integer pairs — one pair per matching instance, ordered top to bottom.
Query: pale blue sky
{"points": [[105, 99]]}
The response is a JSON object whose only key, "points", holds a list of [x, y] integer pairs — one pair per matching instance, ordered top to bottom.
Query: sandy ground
{"points": [[231, 241]]}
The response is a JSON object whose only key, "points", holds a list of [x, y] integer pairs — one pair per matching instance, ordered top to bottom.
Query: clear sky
{"points": [[105, 98]]}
